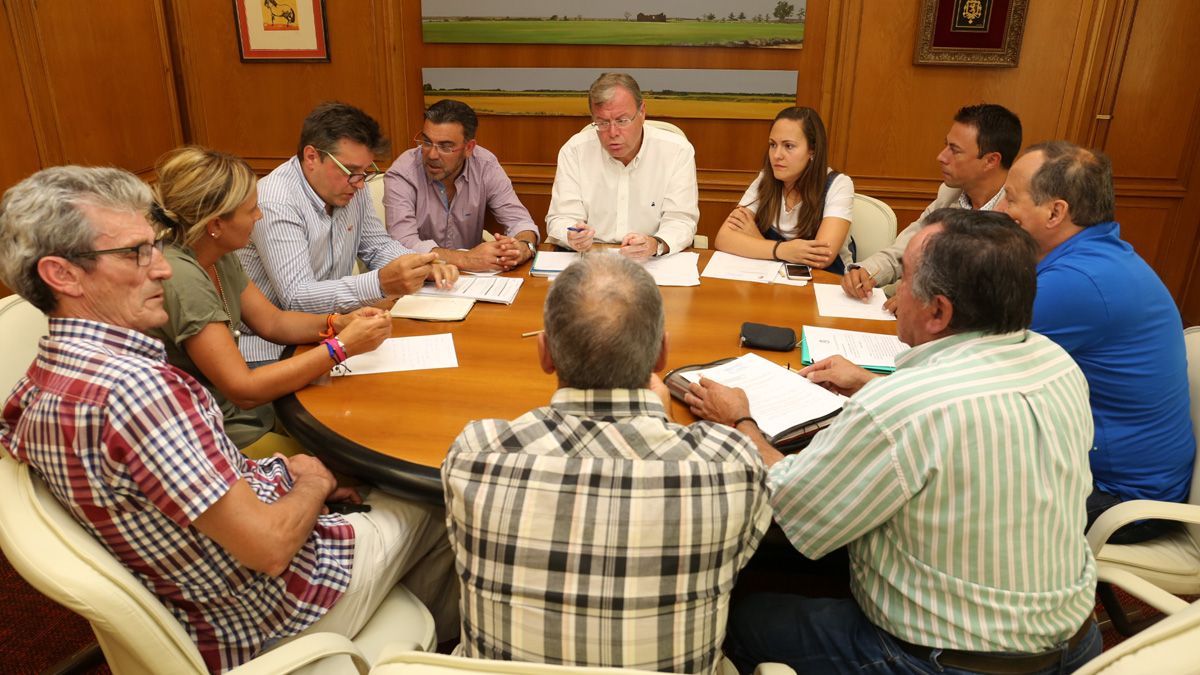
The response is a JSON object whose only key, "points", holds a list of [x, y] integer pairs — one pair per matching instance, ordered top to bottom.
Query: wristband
{"points": [[775, 252], [329, 331], [337, 350], [332, 352], [743, 419]]}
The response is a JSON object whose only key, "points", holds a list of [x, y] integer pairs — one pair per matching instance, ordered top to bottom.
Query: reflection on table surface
{"points": [[393, 429]]}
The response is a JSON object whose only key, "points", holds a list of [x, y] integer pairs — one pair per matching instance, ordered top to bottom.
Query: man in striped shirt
{"points": [[318, 220], [958, 483], [595, 531], [243, 553]]}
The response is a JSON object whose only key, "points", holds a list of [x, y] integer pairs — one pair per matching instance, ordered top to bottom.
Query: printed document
{"points": [[677, 269], [488, 289], [873, 351], [420, 352], [779, 398]]}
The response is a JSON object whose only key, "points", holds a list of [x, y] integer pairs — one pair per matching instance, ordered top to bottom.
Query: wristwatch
{"points": [[532, 246], [662, 247]]}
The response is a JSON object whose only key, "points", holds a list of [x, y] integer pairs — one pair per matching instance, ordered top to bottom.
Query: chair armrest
{"points": [[1138, 509], [1141, 589], [394, 649], [301, 652], [773, 669]]}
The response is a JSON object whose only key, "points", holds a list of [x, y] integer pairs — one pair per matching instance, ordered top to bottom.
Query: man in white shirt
{"points": [[981, 145], [619, 181]]}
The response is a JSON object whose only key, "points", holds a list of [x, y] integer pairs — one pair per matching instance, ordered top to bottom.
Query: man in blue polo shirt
{"points": [[1102, 303]]}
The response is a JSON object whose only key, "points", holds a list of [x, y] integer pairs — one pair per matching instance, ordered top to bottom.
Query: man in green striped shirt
{"points": [[958, 483]]}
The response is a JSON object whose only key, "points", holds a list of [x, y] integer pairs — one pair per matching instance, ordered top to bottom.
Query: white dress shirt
{"points": [[655, 194]]}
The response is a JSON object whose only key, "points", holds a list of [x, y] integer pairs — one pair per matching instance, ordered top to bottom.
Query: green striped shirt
{"points": [[959, 484]]}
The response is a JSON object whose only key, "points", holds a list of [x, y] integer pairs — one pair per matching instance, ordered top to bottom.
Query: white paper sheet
{"points": [[550, 263], [726, 266], [677, 269], [488, 289], [833, 301], [873, 350], [420, 352], [779, 398]]}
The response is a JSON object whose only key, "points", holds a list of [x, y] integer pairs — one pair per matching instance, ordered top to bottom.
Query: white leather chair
{"points": [[873, 226], [21, 325], [1172, 561], [138, 635], [1166, 648], [398, 662]]}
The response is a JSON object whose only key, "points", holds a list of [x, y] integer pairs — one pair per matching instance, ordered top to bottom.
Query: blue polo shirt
{"points": [[1104, 305]]}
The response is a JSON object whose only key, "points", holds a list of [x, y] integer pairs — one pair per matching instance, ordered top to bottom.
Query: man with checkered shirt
{"points": [[595, 531]]}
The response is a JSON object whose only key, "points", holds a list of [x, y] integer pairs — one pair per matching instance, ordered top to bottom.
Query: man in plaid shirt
{"points": [[595, 531], [242, 552]]}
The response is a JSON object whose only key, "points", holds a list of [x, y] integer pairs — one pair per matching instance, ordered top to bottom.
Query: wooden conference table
{"points": [[393, 430]]}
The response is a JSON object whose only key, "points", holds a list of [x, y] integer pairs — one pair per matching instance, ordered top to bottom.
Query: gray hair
{"points": [[602, 89], [1080, 177], [45, 215], [984, 264], [604, 323]]}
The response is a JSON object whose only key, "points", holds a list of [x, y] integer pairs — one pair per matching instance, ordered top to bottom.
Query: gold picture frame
{"points": [[970, 32]]}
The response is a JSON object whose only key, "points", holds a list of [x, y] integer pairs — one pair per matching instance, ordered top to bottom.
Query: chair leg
{"points": [[1121, 621], [81, 661]]}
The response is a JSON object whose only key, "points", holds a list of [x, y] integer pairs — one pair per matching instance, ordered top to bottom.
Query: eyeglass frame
{"points": [[605, 125], [426, 144], [353, 178], [143, 258]]}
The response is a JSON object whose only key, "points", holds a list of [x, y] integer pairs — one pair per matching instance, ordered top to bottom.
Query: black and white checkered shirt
{"points": [[597, 532]]}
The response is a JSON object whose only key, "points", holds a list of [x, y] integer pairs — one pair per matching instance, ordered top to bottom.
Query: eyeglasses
{"points": [[620, 122], [445, 147], [366, 177], [145, 252]]}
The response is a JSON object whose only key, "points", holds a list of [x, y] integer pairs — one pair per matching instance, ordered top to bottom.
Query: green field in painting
{"points": [[597, 32], [712, 106]]}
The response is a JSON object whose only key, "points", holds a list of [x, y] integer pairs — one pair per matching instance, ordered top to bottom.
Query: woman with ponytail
{"points": [[207, 201]]}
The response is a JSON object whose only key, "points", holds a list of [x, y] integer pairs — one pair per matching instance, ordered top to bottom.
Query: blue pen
{"points": [[575, 229]]}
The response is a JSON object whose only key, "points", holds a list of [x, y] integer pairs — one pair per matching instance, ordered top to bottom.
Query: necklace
{"points": [[221, 294]]}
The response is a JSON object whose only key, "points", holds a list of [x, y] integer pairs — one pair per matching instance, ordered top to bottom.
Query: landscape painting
{"points": [[678, 23], [668, 92]]}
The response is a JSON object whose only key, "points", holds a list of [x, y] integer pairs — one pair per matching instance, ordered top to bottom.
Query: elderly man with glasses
{"points": [[622, 182], [438, 193], [317, 220], [244, 553]]}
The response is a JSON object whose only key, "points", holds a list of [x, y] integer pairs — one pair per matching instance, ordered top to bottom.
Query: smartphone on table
{"points": [[797, 271]]}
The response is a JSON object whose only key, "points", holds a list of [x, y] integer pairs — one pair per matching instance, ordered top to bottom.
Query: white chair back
{"points": [[666, 126], [375, 188], [873, 226], [21, 326], [1191, 341], [421, 663]]}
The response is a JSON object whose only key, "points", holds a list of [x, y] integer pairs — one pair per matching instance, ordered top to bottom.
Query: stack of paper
{"points": [[550, 263], [727, 266], [677, 269], [488, 289], [832, 301], [426, 308], [872, 351], [420, 352], [780, 399]]}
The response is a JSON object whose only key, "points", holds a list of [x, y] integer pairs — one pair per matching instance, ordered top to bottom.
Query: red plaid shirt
{"points": [[135, 448]]}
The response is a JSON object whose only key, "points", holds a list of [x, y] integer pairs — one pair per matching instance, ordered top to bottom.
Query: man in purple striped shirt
{"points": [[438, 193], [243, 553]]}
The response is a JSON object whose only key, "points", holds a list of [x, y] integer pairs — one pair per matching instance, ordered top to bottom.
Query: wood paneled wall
{"points": [[120, 84]]}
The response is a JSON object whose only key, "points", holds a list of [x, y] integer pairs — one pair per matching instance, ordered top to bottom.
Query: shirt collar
{"points": [[314, 199], [990, 205], [1097, 231], [116, 338], [933, 351], [607, 403]]}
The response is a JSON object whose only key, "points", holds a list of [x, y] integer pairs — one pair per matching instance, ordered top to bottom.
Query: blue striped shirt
{"points": [[302, 258]]}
